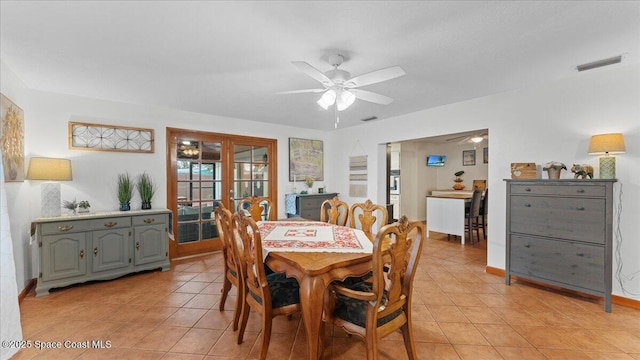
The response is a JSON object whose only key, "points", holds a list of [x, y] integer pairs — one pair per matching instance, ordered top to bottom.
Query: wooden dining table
{"points": [[315, 269]]}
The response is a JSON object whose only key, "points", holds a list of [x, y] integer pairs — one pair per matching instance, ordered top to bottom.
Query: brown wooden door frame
{"points": [[228, 141]]}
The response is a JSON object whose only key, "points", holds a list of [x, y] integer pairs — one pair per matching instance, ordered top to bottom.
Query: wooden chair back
{"points": [[479, 184], [258, 207], [334, 211], [365, 215], [232, 276], [258, 293], [386, 297]]}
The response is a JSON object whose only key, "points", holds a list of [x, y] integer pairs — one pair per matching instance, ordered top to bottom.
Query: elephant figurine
{"points": [[582, 171]]}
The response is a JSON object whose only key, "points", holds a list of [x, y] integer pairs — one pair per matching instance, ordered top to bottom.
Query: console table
{"points": [[308, 205], [98, 246]]}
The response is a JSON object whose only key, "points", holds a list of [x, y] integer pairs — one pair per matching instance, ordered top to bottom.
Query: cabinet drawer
{"points": [[559, 190], [311, 214], [560, 217], [151, 219], [110, 223], [63, 227], [567, 262]]}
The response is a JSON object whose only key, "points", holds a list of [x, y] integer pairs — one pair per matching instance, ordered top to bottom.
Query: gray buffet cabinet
{"points": [[559, 232], [98, 246]]}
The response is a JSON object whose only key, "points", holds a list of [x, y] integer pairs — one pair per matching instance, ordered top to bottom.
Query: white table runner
{"points": [[312, 236]]}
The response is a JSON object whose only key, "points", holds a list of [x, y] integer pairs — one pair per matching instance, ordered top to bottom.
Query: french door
{"points": [[205, 170]]}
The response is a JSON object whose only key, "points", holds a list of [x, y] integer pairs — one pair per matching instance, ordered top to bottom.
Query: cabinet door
{"points": [[150, 243], [111, 249], [63, 256]]}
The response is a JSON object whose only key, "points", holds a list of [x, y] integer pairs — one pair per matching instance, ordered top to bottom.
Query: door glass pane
{"points": [[211, 151], [199, 185]]}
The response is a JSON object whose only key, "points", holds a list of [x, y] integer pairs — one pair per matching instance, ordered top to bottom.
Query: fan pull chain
{"points": [[335, 111]]}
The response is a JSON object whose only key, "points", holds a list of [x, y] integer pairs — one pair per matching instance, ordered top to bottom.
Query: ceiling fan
{"points": [[340, 88], [473, 138]]}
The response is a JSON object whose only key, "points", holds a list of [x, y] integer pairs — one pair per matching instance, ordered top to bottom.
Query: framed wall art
{"points": [[98, 137], [12, 140], [485, 155], [468, 157], [306, 159]]}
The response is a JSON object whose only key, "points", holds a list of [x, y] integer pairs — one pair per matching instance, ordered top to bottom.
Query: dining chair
{"points": [[479, 184], [258, 207], [334, 211], [484, 211], [472, 214], [364, 215], [230, 256], [268, 295], [381, 305]]}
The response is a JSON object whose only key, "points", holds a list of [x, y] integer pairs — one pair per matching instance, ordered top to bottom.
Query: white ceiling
{"points": [[231, 58]]}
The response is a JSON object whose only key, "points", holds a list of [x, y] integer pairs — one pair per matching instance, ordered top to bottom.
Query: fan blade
{"points": [[313, 72], [375, 77], [302, 91], [371, 97], [463, 137]]}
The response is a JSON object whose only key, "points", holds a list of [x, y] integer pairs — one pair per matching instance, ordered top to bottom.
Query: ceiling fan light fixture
{"points": [[327, 99], [345, 100], [477, 139]]}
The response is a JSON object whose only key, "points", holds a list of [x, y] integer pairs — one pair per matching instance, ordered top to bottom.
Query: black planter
{"points": [[146, 205], [125, 206]]}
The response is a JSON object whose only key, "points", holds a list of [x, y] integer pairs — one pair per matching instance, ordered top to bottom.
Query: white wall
{"points": [[538, 124], [94, 172], [429, 178]]}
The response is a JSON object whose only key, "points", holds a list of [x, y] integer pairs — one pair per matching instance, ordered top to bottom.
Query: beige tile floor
{"points": [[460, 312]]}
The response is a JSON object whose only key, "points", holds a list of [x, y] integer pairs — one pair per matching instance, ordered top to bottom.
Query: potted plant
{"points": [[308, 180], [458, 180], [146, 189], [125, 191], [70, 205], [83, 206]]}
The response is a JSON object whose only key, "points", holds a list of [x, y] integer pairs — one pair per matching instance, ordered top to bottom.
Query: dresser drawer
{"points": [[559, 190], [560, 217], [151, 219], [111, 223], [62, 227], [565, 262]]}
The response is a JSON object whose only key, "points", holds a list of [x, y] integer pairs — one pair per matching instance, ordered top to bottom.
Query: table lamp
{"points": [[607, 144], [51, 170]]}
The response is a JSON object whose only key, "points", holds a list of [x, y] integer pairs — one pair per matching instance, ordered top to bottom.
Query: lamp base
{"points": [[607, 167], [51, 203]]}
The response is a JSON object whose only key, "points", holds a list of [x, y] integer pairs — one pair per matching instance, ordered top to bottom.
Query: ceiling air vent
{"points": [[600, 63], [370, 118]]}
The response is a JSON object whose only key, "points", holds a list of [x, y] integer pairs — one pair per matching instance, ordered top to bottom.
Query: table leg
{"points": [[311, 300]]}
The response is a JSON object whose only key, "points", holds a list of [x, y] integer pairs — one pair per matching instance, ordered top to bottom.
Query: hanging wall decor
{"points": [[98, 137], [12, 140], [306, 159], [358, 176]]}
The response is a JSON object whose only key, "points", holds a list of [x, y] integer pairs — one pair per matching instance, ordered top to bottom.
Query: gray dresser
{"points": [[308, 205], [559, 232], [98, 246]]}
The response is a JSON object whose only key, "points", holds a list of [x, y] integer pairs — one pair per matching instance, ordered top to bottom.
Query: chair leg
{"points": [[484, 226], [226, 287], [239, 308], [243, 323], [266, 336], [407, 336]]}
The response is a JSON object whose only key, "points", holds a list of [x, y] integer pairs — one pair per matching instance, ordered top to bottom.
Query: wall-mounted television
{"points": [[436, 160]]}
